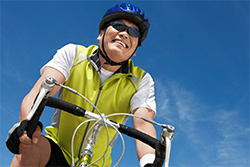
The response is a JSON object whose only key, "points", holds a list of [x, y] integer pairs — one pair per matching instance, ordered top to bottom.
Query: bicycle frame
{"points": [[162, 146]]}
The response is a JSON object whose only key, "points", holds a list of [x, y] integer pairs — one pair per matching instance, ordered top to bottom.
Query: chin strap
{"points": [[108, 60]]}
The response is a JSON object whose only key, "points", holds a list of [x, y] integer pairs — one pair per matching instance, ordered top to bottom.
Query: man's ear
{"points": [[100, 35]]}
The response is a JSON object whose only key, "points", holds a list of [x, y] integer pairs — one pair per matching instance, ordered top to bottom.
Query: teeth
{"points": [[123, 44]]}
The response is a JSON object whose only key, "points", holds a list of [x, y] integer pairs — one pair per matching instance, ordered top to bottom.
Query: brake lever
{"points": [[45, 90], [39, 104], [167, 135]]}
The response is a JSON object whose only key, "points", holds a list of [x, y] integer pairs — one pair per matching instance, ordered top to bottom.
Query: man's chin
{"points": [[114, 51]]}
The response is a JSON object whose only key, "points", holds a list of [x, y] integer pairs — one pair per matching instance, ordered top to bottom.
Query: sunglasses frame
{"points": [[132, 31]]}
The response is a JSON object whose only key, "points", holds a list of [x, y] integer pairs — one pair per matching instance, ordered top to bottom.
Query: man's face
{"points": [[119, 45]]}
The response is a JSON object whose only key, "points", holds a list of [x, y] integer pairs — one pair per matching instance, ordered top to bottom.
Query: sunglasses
{"points": [[122, 27]]}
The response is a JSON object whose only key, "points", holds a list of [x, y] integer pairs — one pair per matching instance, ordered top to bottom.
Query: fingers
{"points": [[36, 135], [24, 139], [27, 143], [23, 148]]}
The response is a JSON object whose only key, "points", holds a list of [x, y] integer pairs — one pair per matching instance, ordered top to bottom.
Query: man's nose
{"points": [[124, 34]]}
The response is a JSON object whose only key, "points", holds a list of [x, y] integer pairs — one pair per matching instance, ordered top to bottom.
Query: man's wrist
{"points": [[147, 158]]}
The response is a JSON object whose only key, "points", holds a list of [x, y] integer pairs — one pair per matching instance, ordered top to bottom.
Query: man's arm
{"points": [[30, 97], [139, 124], [26, 142], [35, 152]]}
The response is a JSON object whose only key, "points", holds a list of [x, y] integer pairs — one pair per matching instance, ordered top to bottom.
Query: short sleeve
{"points": [[63, 60], [145, 96]]}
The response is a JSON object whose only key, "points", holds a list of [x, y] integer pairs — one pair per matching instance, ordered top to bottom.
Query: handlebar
{"points": [[43, 100]]}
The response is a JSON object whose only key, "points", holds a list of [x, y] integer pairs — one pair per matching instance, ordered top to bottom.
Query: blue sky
{"points": [[196, 51]]}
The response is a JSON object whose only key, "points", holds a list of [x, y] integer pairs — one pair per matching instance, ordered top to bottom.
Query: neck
{"points": [[107, 66]]}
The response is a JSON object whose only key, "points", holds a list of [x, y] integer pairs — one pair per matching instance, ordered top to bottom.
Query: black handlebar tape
{"points": [[65, 106], [32, 123], [138, 135], [154, 143], [159, 154]]}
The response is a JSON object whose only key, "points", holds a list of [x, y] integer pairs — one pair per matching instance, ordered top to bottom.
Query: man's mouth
{"points": [[121, 43]]}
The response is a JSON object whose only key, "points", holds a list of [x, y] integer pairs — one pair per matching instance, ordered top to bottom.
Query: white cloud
{"points": [[216, 135], [232, 148]]}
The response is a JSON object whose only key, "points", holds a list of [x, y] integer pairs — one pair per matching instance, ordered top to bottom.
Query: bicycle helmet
{"points": [[128, 12]]}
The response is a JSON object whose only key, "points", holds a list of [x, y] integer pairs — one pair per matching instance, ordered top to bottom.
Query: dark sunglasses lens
{"points": [[119, 27], [133, 32]]}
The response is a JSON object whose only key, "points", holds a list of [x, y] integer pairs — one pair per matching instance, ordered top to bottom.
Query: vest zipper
{"points": [[97, 98], [79, 153]]}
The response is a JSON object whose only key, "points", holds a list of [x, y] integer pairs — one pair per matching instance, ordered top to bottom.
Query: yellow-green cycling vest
{"points": [[113, 96]]}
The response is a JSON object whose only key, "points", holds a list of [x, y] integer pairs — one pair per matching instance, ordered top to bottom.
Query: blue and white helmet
{"points": [[128, 12]]}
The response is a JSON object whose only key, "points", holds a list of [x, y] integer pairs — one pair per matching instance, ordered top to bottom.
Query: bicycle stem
{"points": [[87, 153]]}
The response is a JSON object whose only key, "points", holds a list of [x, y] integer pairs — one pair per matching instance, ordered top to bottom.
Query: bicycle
{"points": [[162, 146]]}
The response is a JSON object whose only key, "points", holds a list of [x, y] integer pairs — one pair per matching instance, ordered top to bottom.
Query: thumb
{"points": [[36, 135]]}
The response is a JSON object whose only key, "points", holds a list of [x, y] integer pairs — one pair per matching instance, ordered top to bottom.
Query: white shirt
{"points": [[63, 61]]}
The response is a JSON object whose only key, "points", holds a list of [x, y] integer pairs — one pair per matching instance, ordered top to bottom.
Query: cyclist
{"points": [[105, 75]]}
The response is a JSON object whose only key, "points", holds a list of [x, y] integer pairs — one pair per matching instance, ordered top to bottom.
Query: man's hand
{"points": [[17, 135], [27, 143]]}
